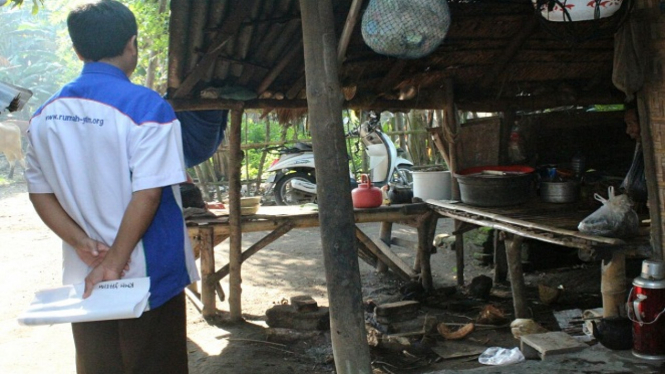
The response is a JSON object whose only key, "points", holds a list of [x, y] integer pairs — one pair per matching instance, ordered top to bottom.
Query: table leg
{"points": [[426, 229], [385, 234], [459, 251], [514, 257], [500, 263], [207, 270]]}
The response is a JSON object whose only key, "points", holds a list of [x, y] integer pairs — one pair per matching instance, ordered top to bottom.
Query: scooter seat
{"points": [[303, 146]]}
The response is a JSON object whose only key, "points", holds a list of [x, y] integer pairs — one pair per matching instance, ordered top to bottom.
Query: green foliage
{"points": [[19, 3], [153, 41], [36, 52], [28, 56], [608, 107]]}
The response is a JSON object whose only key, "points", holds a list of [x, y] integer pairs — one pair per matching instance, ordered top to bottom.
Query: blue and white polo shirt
{"points": [[96, 142]]}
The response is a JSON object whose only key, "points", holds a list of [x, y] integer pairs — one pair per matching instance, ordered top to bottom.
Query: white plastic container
{"points": [[431, 185]]}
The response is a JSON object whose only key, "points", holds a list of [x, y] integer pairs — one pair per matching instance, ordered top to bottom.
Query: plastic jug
{"points": [[366, 195]]}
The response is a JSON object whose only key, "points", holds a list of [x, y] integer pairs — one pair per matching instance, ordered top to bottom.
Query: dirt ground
{"points": [[30, 257]]}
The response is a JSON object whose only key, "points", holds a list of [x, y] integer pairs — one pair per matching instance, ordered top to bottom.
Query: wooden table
{"points": [[547, 222], [207, 232]]}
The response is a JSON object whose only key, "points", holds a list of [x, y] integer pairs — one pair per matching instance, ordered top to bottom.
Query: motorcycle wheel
{"points": [[404, 175], [286, 195]]}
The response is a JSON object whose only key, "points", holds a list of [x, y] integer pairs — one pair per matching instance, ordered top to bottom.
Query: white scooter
{"points": [[294, 178]]}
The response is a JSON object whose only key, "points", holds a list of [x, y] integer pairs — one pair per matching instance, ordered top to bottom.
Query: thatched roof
{"points": [[498, 54]]}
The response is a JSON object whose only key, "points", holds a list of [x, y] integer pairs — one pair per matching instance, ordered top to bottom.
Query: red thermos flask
{"points": [[646, 306]]}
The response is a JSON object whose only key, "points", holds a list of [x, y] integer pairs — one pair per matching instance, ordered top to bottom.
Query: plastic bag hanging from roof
{"points": [[405, 28]]}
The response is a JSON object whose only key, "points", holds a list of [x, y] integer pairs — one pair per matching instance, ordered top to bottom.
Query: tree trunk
{"points": [[152, 65]]}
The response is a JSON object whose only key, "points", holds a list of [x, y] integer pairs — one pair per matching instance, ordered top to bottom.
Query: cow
{"points": [[22, 124], [10, 145]]}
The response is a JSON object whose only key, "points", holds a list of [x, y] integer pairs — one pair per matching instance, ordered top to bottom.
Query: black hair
{"points": [[101, 30]]}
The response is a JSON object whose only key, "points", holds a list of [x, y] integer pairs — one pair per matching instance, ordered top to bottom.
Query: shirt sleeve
{"points": [[156, 155], [34, 175]]}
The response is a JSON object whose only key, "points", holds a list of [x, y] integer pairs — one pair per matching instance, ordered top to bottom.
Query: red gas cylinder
{"points": [[366, 195], [646, 306]]}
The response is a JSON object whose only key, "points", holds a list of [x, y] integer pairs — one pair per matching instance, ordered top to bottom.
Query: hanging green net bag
{"points": [[405, 28]]}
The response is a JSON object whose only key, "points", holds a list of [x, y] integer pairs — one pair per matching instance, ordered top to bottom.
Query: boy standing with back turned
{"points": [[104, 163]]}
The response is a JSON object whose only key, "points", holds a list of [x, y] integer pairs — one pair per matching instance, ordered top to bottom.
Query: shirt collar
{"points": [[103, 68]]}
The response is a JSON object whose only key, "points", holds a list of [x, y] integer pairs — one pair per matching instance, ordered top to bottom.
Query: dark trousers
{"points": [[154, 343]]}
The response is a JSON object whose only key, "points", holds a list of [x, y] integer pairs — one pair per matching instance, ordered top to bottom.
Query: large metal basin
{"points": [[496, 185]]}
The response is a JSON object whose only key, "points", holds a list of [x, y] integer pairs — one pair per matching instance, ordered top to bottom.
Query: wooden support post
{"points": [[646, 22], [324, 97], [451, 130], [651, 167], [385, 234], [207, 235], [235, 241], [459, 251], [514, 256], [613, 285]]}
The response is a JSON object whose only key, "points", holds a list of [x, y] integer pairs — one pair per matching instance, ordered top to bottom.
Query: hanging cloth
{"points": [[629, 62], [202, 133]]}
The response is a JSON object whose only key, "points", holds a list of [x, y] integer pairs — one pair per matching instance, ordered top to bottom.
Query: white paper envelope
{"points": [[119, 299]]}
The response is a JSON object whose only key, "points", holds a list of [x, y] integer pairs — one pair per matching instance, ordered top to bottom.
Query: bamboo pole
{"points": [[240, 11], [349, 25], [292, 51], [324, 94], [264, 154], [207, 169], [203, 184], [521, 223], [235, 244]]}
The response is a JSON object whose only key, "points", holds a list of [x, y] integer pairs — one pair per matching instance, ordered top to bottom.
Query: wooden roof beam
{"points": [[349, 25], [230, 27], [345, 38], [294, 50], [511, 50], [387, 83], [427, 99]]}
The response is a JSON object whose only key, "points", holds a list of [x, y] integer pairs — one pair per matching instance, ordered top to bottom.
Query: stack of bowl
{"points": [[248, 205]]}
